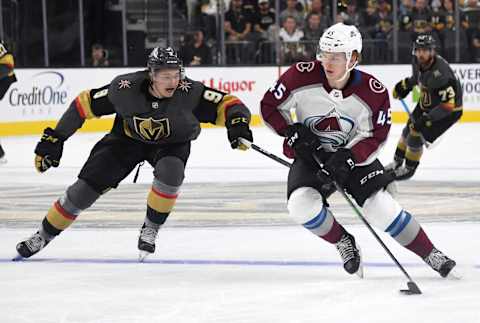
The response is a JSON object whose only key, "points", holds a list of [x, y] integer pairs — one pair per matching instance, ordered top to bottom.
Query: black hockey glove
{"points": [[401, 89], [421, 123], [237, 127], [303, 142], [48, 151], [338, 167]]}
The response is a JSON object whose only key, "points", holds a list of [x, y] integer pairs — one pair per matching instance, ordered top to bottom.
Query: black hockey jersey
{"points": [[438, 85], [143, 117]]}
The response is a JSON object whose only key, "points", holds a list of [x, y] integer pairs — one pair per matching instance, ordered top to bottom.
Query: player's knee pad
{"points": [[170, 170], [79, 197], [304, 204], [381, 209]]}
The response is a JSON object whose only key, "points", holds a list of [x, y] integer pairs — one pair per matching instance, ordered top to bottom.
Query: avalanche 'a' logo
{"points": [[332, 129]]}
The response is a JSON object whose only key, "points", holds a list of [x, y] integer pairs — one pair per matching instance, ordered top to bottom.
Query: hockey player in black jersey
{"points": [[7, 77], [439, 107], [157, 114]]}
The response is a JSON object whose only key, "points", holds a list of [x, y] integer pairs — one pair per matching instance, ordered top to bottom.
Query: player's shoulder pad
{"points": [[302, 73], [440, 74], [125, 85], [372, 85], [187, 86], [370, 89]]}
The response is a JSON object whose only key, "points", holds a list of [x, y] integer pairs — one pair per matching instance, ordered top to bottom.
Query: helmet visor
{"points": [[337, 58]]}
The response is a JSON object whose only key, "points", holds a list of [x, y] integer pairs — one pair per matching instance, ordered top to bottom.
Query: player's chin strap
{"points": [[348, 69], [412, 286]]}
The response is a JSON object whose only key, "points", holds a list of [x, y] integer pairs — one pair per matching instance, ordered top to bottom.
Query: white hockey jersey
{"points": [[357, 117]]}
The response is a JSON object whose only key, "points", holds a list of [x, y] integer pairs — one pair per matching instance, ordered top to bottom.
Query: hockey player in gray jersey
{"points": [[439, 107], [157, 114], [343, 119]]}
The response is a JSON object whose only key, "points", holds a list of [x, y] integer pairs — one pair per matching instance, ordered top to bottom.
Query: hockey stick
{"points": [[412, 286]]}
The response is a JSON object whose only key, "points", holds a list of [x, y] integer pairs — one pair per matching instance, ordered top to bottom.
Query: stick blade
{"points": [[412, 289]]}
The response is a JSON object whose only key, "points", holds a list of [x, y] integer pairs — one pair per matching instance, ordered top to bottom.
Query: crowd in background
{"points": [[251, 29], [233, 32]]}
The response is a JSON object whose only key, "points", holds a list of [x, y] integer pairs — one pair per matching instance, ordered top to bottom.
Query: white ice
{"points": [[228, 274]]}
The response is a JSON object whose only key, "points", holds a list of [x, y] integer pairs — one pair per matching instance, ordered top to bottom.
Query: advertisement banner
{"points": [[42, 95]]}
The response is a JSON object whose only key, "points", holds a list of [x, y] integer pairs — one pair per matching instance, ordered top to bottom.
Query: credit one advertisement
{"points": [[44, 94]]}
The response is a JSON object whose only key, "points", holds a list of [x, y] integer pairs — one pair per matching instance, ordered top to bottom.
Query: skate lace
{"points": [[149, 235], [35, 243], [346, 248], [436, 259]]}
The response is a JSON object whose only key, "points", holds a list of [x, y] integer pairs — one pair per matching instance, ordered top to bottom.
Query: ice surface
{"points": [[255, 272]]}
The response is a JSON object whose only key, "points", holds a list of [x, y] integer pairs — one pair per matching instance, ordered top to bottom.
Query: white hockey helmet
{"points": [[340, 38]]}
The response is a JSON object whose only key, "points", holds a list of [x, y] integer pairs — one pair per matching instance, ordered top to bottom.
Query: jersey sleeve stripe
{"points": [[8, 60], [227, 102], [83, 105]]}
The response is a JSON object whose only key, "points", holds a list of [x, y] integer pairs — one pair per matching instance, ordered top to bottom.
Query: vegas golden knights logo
{"points": [[151, 129]]}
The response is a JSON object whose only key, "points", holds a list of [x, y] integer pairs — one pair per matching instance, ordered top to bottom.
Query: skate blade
{"points": [[142, 255], [18, 257], [359, 272], [454, 274]]}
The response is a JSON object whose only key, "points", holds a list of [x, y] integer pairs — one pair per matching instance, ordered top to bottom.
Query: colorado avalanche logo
{"points": [[305, 66], [376, 86], [332, 129]]}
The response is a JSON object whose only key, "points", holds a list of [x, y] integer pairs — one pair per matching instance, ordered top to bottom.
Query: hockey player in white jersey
{"points": [[343, 117]]}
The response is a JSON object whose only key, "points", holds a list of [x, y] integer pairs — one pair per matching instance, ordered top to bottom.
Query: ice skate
{"points": [[395, 164], [403, 173], [146, 241], [31, 246], [351, 255], [442, 264]]}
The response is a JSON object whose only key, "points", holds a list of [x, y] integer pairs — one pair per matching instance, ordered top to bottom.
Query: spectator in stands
{"points": [[406, 6], [318, 7], [292, 11], [449, 12], [406, 15], [353, 16], [438, 16], [422, 17], [262, 20], [371, 20], [238, 23], [470, 23], [238, 27], [384, 29], [312, 33], [291, 35], [476, 43], [194, 50], [99, 56]]}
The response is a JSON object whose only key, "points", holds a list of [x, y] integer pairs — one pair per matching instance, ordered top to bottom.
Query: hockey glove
{"points": [[401, 89], [421, 123], [237, 127], [302, 141], [48, 151], [338, 167]]}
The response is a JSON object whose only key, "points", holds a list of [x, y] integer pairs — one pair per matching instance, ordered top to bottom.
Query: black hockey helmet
{"points": [[425, 41], [161, 58]]}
